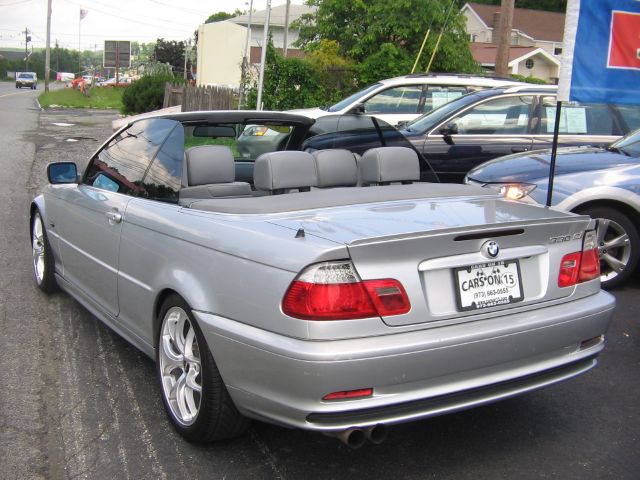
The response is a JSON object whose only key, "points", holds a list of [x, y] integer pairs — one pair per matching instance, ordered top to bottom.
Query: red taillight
{"points": [[582, 266], [569, 269], [333, 291], [388, 296], [342, 301], [349, 394]]}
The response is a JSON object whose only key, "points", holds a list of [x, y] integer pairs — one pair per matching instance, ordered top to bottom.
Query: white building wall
{"points": [[477, 31], [220, 52]]}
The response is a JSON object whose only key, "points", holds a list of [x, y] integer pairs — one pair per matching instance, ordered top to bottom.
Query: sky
{"points": [[136, 20]]}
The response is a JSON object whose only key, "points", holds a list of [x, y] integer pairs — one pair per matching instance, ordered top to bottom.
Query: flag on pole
{"points": [[83, 13], [601, 52]]}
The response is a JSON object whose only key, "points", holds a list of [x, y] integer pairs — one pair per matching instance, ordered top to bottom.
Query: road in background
{"points": [[76, 401]]}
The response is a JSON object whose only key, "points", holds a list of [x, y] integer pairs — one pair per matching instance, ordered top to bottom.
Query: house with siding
{"points": [[536, 39], [221, 44]]}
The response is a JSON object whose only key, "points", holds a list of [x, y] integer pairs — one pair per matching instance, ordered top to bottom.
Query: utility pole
{"points": [[286, 30], [504, 38], [27, 39], [187, 50], [47, 55], [263, 56], [246, 59]]}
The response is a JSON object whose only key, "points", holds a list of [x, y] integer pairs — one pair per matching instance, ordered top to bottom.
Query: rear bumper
{"points": [[414, 374]]}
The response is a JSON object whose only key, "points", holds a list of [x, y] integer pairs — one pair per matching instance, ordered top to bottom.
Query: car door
{"points": [[580, 124], [486, 130], [96, 210]]}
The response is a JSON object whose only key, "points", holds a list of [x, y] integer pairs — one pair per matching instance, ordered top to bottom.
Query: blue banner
{"points": [[601, 52]]}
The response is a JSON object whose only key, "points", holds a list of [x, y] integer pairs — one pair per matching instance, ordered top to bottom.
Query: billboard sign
{"points": [[117, 54]]}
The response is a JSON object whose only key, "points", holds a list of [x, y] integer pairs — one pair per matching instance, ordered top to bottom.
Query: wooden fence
{"points": [[200, 98]]}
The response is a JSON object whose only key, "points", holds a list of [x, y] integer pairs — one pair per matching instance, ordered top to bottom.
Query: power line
{"points": [[133, 20]]}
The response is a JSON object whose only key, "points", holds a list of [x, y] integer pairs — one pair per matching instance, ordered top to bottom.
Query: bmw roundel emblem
{"points": [[491, 249]]}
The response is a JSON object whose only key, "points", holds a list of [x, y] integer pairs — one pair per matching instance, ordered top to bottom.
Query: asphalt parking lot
{"points": [[79, 402]]}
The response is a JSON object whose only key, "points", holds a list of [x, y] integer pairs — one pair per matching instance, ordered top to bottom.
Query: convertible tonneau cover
{"points": [[335, 197]]}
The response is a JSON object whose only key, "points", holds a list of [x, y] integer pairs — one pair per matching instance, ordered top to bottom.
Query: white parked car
{"points": [[402, 99]]}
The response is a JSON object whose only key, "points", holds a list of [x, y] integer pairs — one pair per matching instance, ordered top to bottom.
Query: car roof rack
{"points": [[459, 75]]}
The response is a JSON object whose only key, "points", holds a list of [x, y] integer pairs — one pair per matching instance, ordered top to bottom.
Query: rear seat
{"points": [[385, 165], [335, 168], [209, 172], [281, 172]]}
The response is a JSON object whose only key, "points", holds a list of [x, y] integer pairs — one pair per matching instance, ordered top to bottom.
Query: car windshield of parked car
{"points": [[26, 76], [352, 98], [434, 118], [629, 145]]}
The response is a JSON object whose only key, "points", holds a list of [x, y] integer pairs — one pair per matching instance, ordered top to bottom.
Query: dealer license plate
{"points": [[488, 285]]}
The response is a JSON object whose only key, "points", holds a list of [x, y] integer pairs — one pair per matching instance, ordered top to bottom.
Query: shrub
{"points": [[529, 79], [146, 94]]}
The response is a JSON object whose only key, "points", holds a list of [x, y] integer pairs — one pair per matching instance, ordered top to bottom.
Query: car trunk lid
{"points": [[437, 249]]}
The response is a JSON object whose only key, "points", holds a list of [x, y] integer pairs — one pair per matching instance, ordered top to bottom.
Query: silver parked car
{"points": [[600, 181], [333, 292]]}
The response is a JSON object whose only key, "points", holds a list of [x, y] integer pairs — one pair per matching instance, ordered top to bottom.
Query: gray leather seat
{"points": [[384, 165], [335, 168], [209, 172], [279, 172]]}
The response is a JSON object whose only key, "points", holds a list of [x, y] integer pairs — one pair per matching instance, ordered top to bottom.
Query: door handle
{"points": [[519, 149], [114, 217]]}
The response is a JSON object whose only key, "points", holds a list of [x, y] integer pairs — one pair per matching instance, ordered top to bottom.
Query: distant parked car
{"points": [[27, 79], [122, 81], [402, 99], [492, 123], [603, 182]]}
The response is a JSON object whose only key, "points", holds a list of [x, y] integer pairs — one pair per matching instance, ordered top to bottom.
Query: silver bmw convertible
{"points": [[324, 289]]}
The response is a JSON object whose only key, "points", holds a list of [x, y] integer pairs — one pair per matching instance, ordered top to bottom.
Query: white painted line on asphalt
{"points": [[9, 94]]}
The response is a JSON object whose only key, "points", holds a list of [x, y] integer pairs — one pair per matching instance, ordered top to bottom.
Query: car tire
{"points": [[618, 245], [43, 261], [193, 392]]}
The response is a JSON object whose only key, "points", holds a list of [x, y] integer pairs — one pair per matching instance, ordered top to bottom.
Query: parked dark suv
{"points": [[487, 124]]}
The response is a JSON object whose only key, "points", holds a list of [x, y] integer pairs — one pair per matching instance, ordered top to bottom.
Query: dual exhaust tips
{"points": [[356, 437]]}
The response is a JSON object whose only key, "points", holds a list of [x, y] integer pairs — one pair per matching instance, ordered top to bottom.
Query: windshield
{"points": [[28, 76], [352, 98], [433, 118], [629, 145]]}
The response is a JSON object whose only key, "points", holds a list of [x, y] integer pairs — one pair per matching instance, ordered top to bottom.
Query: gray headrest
{"points": [[208, 164], [389, 164], [336, 168], [289, 169]]}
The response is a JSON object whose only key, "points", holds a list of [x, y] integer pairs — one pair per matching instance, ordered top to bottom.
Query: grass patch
{"points": [[99, 97]]}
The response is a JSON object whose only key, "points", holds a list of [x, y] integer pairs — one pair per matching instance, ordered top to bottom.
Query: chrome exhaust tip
{"points": [[376, 434], [351, 437]]}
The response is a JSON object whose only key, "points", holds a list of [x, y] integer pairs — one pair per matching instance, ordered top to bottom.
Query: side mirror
{"points": [[358, 109], [449, 129], [62, 172]]}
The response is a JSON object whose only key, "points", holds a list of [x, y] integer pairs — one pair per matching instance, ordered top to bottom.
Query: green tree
{"points": [[220, 16], [371, 32], [171, 52], [288, 83]]}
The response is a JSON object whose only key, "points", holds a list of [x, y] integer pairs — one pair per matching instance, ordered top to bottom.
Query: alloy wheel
{"points": [[180, 366]]}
